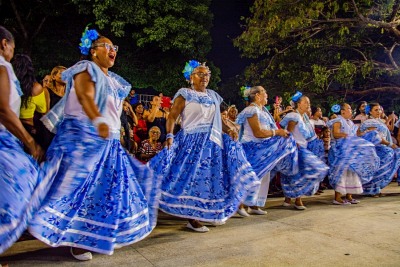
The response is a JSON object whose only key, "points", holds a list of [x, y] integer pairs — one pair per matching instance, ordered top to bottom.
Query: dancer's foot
{"points": [[298, 204], [256, 210], [242, 212], [196, 226], [81, 254]]}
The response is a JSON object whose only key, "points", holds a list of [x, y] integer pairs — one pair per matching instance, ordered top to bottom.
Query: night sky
{"points": [[226, 27]]}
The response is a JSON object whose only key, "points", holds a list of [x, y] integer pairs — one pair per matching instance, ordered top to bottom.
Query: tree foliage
{"points": [[27, 18], [162, 36], [156, 37], [342, 49]]}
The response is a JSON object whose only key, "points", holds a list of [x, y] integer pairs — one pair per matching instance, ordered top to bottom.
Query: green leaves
{"points": [[180, 25], [156, 37], [323, 47], [345, 73]]}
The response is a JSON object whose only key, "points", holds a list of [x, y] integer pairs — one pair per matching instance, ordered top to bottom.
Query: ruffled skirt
{"points": [[316, 146], [278, 154], [353, 154], [389, 159], [312, 170], [200, 180], [349, 183], [22, 189], [101, 198]]}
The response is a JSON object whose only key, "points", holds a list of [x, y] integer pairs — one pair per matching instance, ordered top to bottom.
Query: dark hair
{"points": [[5, 34], [25, 73], [136, 105], [359, 105], [372, 105], [314, 109]]}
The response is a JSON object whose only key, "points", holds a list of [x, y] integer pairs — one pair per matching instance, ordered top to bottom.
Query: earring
{"points": [[94, 54]]}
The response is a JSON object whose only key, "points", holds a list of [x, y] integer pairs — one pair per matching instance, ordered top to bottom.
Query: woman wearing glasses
{"points": [[150, 147], [204, 173], [95, 202]]}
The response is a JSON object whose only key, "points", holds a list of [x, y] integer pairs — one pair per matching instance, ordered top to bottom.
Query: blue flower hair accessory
{"points": [[88, 36], [189, 68], [245, 92], [296, 97], [335, 108], [367, 109]]}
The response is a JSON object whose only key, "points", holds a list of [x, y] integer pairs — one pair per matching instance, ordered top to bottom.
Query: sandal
{"points": [[353, 201], [335, 202], [202, 229]]}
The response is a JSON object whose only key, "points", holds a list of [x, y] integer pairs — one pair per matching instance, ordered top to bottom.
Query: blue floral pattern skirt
{"points": [[316, 146], [277, 154], [354, 154], [389, 159], [312, 170], [200, 180], [22, 189], [101, 197]]}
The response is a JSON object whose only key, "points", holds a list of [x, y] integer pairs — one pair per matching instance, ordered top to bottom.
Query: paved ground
{"points": [[366, 234]]}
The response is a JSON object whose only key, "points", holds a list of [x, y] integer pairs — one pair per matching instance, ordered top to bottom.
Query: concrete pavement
{"points": [[366, 234]]}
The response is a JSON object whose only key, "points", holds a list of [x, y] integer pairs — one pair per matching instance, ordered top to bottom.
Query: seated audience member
{"points": [[150, 147]]}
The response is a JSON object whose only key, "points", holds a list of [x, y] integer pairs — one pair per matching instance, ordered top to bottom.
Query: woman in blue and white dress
{"points": [[375, 130], [267, 147], [352, 160], [312, 170], [205, 174], [21, 182], [96, 202]]}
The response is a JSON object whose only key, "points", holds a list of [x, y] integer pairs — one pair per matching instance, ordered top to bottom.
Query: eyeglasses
{"points": [[107, 46], [202, 75], [153, 132]]}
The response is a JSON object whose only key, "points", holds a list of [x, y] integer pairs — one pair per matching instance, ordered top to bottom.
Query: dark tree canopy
{"points": [[156, 37], [332, 50]]}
